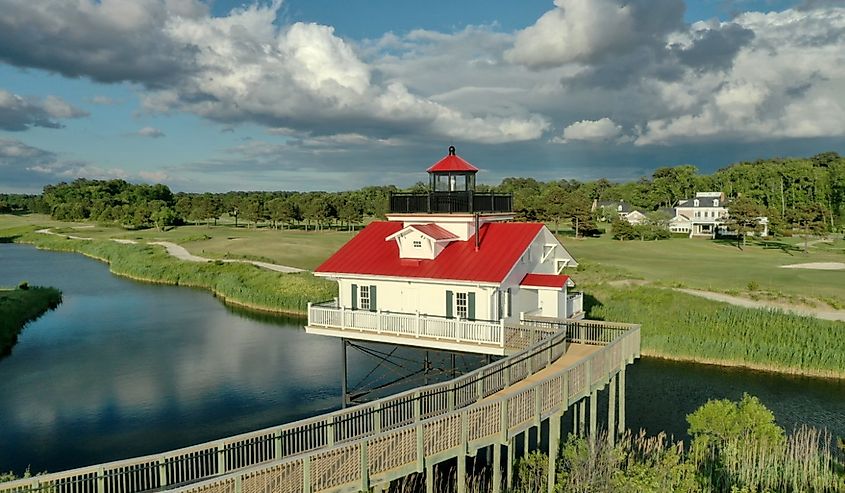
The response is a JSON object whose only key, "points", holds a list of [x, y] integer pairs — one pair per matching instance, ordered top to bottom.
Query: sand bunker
{"points": [[817, 266]]}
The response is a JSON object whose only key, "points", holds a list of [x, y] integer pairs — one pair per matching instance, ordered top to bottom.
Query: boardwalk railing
{"points": [[331, 316], [388, 438]]}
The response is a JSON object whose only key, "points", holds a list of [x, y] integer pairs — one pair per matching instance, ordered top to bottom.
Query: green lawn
{"points": [[296, 248], [695, 263], [716, 265], [724, 334]]}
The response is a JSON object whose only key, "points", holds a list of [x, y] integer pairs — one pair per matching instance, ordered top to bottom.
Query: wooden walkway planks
{"points": [[574, 353]]}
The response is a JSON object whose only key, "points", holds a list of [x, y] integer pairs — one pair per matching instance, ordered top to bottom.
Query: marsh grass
{"points": [[236, 283], [680, 326]]}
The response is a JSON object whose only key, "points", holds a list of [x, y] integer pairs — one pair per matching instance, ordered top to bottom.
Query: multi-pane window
{"points": [[417, 244], [364, 297], [461, 306]]}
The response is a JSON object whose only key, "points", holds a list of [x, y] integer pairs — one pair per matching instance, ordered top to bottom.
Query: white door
{"points": [[410, 301]]}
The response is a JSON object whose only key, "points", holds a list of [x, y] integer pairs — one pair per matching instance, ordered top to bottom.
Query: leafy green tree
{"points": [[555, 200], [185, 207], [576, 208], [317, 209], [350, 210], [252, 211], [164, 217], [744, 218], [808, 218], [622, 229], [721, 429]]}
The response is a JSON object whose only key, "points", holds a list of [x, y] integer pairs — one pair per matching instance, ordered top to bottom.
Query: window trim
{"points": [[364, 297], [462, 305]]}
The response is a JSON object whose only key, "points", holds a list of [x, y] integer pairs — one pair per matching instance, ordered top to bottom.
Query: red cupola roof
{"points": [[452, 163]]}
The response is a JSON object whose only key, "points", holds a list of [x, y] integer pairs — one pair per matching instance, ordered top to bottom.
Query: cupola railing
{"points": [[467, 201]]}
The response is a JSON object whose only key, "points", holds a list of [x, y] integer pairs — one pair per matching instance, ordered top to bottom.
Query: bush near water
{"points": [[236, 283], [681, 326], [736, 447]]}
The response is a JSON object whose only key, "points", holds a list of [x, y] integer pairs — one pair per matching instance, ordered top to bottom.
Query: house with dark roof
{"points": [[607, 209], [448, 268]]}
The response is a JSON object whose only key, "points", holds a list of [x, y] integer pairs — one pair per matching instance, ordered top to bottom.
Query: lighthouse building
{"points": [[449, 269]]}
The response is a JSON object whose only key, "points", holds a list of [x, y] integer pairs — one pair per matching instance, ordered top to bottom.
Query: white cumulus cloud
{"points": [[602, 130], [150, 132]]}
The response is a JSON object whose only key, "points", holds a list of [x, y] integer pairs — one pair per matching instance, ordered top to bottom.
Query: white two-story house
{"points": [[700, 216], [448, 280]]}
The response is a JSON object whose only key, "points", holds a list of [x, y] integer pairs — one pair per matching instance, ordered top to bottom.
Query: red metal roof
{"points": [[451, 163], [434, 231], [502, 245], [544, 280]]}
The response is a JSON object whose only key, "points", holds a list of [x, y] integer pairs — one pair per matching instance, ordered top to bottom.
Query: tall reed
{"points": [[679, 325]]}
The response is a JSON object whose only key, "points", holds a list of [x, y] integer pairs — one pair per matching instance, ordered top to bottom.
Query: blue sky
{"points": [[327, 95]]}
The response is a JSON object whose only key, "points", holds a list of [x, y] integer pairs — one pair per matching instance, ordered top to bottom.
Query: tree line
{"points": [[794, 193]]}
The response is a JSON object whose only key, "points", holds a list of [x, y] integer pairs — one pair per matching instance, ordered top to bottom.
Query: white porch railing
{"points": [[329, 315]]}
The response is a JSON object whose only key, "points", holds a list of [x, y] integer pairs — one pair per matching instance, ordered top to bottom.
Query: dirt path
{"points": [[48, 232], [181, 253], [816, 266], [803, 310], [807, 311]]}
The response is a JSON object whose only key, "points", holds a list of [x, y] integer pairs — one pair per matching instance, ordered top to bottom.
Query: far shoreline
{"points": [[259, 308]]}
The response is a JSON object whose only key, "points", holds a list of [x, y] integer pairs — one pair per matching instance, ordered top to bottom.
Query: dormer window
{"points": [[695, 202], [715, 202], [417, 244]]}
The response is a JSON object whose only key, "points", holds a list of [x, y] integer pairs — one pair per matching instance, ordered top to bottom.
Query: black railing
{"points": [[446, 202]]}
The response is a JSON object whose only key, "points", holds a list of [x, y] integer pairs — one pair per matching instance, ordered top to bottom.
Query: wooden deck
{"points": [[574, 353]]}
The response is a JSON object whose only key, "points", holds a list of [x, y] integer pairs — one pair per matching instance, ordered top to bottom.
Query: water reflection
{"points": [[124, 368]]}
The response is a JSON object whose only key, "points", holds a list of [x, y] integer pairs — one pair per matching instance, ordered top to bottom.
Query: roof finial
{"points": [[451, 150]]}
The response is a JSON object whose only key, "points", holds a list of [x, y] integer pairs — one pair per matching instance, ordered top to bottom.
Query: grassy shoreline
{"points": [[238, 284], [20, 306], [676, 326], [743, 364]]}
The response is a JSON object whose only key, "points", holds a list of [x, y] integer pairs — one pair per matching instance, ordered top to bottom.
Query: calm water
{"points": [[124, 368]]}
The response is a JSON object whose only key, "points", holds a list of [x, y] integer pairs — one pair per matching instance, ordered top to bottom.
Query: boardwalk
{"points": [[574, 353], [381, 441]]}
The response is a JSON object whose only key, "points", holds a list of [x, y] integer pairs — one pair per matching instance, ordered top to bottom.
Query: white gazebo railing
{"points": [[416, 325]]}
